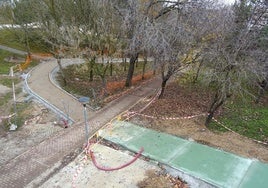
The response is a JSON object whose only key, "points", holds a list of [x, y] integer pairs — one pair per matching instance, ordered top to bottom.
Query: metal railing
{"points": [[53, 108]]}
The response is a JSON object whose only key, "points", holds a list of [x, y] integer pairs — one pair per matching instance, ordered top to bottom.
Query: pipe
{"points": [[116, 168]]}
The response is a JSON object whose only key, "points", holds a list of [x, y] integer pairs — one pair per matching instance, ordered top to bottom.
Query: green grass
{"points": [[15, 38], [11, 39], [5, 66], [8, 81], [5, 98], [22, 109], [240, 114], [22, 115], [248, 119]]}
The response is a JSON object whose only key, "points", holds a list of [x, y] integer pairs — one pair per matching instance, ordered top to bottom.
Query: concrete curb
{"points": [[51, 77], [43, 101]]}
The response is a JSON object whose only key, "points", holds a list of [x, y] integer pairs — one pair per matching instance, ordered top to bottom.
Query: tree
{"points": [[5, 13], [23, 14], [133, 26], [59, 28], [174, 35], [230, 58]]}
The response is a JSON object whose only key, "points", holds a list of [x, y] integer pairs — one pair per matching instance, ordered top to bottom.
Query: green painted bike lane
{"points": [[214, 166]]}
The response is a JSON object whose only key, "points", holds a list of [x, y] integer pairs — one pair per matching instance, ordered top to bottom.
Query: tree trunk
{"points": [[27, 40], [137, 61], [125, 63], [144, 66], [154, 67], [131, 68], [111, 69], [197, 72], [91, 73], [165, 78], [103, 79], [104, 86], [163, 87], [263, 88], [216, 104]]}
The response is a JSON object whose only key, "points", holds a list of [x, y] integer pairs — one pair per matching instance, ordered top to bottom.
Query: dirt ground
{"points": [[4, 89], [179, 102], [176, 103], [37, 129], [158, 179]]}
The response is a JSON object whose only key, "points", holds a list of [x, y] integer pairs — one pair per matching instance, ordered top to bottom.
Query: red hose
{"points": [[116, 168]]}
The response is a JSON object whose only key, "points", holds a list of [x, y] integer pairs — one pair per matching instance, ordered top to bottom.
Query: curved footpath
{"points": [[41, 83], [47, 157]]}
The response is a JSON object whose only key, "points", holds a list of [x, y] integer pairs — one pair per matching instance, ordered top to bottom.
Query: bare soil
{"points": [[4, 89], [183, 102], [37, 128], [158, 179]]}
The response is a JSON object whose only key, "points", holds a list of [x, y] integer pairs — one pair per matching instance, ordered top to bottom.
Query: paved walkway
{"points": [[40, 82], [28, 166], [216, 167], [22, 170]]}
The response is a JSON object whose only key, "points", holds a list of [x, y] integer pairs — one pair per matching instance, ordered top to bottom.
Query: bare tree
{"points": [[23, 14], [133, 20], [58, 28], [174, 35], [230, 62]]}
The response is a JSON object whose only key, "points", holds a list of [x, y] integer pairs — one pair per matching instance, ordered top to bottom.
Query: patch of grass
{"points": [[11, 38], [15, 38], [5, 66], [8, 81], [5, 98], [22, 113], [240, 114], [247, 119], [214, 126]]}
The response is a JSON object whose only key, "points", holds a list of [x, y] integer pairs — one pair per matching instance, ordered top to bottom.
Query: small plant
{"points": [[23, 113]]}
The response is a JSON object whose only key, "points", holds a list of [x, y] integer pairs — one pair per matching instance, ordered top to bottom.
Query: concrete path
{"points": [[40, 82], [48, 156], [30, 165], [216, 167]]}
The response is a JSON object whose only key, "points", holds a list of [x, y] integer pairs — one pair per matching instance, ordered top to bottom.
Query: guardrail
{"points": [[53, 108]]}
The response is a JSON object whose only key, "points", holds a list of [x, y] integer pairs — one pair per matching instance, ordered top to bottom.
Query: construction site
{"points": [[133, 93], [116, 152]]}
